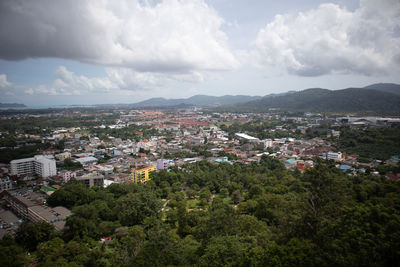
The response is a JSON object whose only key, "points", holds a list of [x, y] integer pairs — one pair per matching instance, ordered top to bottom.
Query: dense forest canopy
{"points": [[219, 215]]}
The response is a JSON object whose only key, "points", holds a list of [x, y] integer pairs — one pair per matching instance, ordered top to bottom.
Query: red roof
{"points": [[393, 177]]}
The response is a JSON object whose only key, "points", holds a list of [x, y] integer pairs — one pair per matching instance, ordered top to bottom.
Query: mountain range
{"points": [[380, 97], [373, 98], [197, 100]]}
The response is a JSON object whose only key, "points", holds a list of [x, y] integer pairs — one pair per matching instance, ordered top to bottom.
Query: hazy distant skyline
{"points": [[93, 52]]}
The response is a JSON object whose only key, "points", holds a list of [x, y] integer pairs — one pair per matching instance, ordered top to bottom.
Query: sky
{"points": [[57, 52]]}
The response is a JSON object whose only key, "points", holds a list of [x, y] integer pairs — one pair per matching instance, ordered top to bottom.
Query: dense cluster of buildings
{"points": [[181, 137]]}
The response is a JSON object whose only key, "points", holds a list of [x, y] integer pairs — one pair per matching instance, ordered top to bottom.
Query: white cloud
{"points": [[173, 36], [332, 39], [116, 79], [128, 79], [69, 82], [4, 84], [43, 90], [29, 91]]}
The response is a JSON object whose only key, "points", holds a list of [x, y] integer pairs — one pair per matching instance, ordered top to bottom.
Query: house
{"points": [[63, 156], [162, 164], [67, 175], [393, 177], [91, 179], [6, 184]]}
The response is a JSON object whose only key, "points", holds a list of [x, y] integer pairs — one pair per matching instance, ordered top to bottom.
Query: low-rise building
{"points": [[246, 137], [268, 143], [332, 155], [63, 156], [86, 160], [162, 164], [67, 175], [91, 179], [6, 184], [30, 206], [9, 223]]}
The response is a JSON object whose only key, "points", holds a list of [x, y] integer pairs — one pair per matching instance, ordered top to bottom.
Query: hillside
{"points": [[385, 87], [376, 98], [197, 100], [323, 100]]}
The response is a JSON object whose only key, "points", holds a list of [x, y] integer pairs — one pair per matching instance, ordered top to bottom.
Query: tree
{"points": [[71, 165], [190, 193], [327, 193], [205, 194], [70, 195], [236, 197], [133, 208], [183, 227], [81, 228], [31, 234], [133, 242], [51, 251], [224, 251], [12, 254]]}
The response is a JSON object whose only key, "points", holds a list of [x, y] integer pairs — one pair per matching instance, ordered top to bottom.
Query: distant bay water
{"points": [[46, 107]]}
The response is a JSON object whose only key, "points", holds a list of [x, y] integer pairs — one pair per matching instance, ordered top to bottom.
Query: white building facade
{"points": [[39, 165]]}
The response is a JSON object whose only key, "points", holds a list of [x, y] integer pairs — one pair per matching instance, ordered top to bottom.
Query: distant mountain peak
{"points": [[374, 98]]}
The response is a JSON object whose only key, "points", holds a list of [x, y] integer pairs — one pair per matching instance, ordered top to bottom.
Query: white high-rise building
{"points": [[40, 165]]}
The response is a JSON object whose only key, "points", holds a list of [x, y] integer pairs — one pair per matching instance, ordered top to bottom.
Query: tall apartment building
{"points": [[39, 165], [142, 175]]}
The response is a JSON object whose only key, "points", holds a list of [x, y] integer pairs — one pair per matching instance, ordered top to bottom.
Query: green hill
{"points": [[385, 87], [197, 100], [323, 100]]}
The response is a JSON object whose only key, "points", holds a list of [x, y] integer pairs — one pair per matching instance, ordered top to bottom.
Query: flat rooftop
{"points": [[21, 160], [8, 217]]}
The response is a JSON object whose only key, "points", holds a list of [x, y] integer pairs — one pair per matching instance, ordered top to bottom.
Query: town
{"points": [[199, 133], [127, 146]]}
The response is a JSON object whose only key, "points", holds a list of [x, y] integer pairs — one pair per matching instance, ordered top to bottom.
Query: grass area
{"points": [[227, 123], [83, 131], [227, 200], [193, 204]]}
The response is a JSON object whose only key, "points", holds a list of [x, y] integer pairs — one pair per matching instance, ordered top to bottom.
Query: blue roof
{"points": [[290, 160], [345, 167]]}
